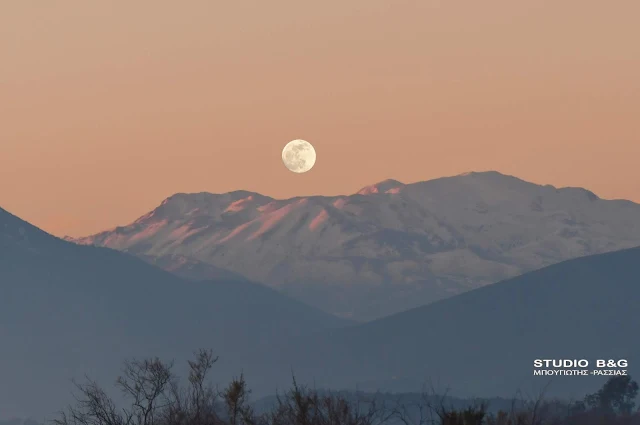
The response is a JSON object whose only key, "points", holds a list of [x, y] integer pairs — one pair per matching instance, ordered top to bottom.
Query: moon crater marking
{"points": [[299, 156]]}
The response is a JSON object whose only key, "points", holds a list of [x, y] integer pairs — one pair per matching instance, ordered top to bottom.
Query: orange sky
{"points": [[107, 108]]}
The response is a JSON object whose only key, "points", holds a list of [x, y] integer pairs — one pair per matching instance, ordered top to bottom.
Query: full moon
{"points": [[299, 156]]}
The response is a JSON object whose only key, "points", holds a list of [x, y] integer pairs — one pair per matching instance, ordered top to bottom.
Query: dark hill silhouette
{"points": [[67, 310], [483, 342]]}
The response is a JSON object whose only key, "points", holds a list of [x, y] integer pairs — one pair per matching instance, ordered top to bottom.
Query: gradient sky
{"points": [[108, 107]]}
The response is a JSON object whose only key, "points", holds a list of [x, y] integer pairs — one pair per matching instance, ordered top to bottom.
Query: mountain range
{"points": [[388, 248], [67, 310]]}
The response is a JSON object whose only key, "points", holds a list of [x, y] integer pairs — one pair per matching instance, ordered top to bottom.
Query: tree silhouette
{"points": [[617, 395]]}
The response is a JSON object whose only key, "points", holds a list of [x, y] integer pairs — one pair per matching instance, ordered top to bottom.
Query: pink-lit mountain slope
{"points": [[387, 248]]}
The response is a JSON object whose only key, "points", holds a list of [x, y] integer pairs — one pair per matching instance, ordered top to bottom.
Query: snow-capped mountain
{"points": [[387, 248]]}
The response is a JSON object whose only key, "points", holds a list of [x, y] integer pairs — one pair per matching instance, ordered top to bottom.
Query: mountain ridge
{"points": [[400, 245]]}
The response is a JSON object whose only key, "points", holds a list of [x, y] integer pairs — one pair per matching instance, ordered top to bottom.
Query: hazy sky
{"points": [[108, 107]]}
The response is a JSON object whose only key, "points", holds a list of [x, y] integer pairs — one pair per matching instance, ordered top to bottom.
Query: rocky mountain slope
{"points": [[385, 249]]}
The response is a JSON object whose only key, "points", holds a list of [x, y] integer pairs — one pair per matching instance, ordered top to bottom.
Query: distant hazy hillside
{"points": [[390, 247], [67, 310], [483, 342]]}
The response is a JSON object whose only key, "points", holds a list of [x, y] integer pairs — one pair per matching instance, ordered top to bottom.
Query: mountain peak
{"points": [[485, 172], [488, 174], [494, 177], [384, 186], [181, 204], [16, 232]]}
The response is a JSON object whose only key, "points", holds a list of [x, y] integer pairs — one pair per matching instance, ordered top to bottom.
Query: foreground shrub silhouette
{"points": [[154, 396]]}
